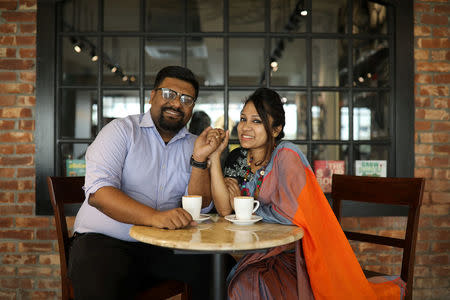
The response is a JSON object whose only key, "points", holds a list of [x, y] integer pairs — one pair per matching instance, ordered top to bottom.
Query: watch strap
{"points": [[197, 164]]}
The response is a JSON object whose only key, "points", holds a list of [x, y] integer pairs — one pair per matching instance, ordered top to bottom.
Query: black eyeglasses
{"points": [[170, 95]]}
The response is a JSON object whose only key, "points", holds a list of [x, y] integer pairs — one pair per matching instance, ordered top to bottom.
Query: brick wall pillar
{"points": [[432, 136], [28, 251]]}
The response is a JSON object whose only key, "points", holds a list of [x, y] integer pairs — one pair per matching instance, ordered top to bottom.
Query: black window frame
{"points": [[402, 87]]}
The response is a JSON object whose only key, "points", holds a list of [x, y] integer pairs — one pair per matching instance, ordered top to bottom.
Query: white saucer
{"points": [[203, 217], [232, 218]]}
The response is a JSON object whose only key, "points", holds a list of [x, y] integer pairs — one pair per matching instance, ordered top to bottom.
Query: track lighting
{"points": [[81, 44], [77, 47], [94, 57]]}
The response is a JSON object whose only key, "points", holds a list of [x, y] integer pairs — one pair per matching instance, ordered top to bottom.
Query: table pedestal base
{"points": [[219, 277]]}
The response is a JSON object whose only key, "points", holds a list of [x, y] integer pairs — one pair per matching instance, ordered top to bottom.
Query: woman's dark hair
{"points": [[178, 72], [268, 103], [200, 120]]}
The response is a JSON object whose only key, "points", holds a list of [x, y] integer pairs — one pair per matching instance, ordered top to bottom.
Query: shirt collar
{"points": [[147, 121]]}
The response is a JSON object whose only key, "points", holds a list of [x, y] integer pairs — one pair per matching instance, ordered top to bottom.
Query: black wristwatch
{"points": [[200, 165]]}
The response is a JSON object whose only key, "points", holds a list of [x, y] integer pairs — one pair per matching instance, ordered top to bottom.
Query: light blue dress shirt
{"points": [[129, 154]]}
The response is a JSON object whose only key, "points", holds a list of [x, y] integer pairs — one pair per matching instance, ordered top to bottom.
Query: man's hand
{"points": [[207, 142], [172, 219]]}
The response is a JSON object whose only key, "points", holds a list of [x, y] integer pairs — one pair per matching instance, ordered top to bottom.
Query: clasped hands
{"points": [[210, 141]]}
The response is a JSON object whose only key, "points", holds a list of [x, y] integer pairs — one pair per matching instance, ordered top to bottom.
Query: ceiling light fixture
{"points": [[77, 47], [94, 57]]}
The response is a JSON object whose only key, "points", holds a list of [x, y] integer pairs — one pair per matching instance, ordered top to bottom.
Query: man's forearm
{"points": [[200, 184], [119, 206]]}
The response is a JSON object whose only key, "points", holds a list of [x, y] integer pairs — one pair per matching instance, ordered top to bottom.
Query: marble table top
{"points": [[218, 234]]}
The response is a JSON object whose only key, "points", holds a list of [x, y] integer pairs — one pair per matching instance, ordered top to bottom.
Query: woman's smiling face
{"points": [[251, 131]]}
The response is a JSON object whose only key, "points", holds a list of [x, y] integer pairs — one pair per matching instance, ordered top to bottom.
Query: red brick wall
{"points": [[432, 136], [29, 263]]}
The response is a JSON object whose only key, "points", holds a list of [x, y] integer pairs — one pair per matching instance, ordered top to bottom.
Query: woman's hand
{"points": [[224, 137], [233, 189]]}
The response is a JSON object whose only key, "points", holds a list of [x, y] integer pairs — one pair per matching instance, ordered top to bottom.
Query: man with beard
{"points": [[137, 170]]}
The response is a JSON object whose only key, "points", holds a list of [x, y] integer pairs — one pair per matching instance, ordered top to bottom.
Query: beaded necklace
{"points": [[245, 191]]}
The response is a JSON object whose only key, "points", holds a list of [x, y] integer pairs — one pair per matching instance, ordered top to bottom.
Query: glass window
{"points": [[80, 15], [121, 15], [165, 16], [205, 16], [246, 16], [287, 16], [329, 16], [369, 17], [160, 53], [205, 59], [120, 61], [246, 61], [288, 62], [329, 62], [371, 63], [78, 66], [332, 67], [119, 104], [295, 107], [209, 111], [78, 114], [371, 116], [329, 120], [371, 152], [330, 153]]}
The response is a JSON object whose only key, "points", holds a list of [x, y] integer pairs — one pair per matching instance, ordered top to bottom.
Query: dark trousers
{"points": [[103, 267]]}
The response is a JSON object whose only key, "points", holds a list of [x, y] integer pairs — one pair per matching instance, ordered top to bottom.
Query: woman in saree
{"points": [[320, 266]]}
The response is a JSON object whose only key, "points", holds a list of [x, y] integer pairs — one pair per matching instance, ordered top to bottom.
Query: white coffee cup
{"points": [[192, 204], [244, 207]]}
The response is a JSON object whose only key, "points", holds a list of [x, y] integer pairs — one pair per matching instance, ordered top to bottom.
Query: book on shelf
{"points": [[75, 167], [374, 168], [324, 170]]}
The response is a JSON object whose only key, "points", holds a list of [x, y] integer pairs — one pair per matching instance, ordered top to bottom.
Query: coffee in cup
{"points": [[192, 204], [244, 207]]}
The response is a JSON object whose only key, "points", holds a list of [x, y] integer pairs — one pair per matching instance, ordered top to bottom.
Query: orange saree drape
{"points": [[333, 271]]}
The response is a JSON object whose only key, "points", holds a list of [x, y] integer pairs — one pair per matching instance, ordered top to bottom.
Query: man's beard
{"points": [[171, 125]]}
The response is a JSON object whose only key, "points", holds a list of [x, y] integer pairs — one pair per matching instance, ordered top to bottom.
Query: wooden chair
{"points": [[68, 190], [395, 191]]}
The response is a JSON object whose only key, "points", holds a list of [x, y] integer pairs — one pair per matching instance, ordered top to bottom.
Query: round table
{"points": [[218, 236]]}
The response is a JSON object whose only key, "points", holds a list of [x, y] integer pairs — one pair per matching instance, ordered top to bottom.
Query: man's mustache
{"points": [[172, 108]]}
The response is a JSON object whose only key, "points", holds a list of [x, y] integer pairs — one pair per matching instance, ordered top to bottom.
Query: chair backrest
{"points": [[64, 190], [69, 190], [394, 191]]}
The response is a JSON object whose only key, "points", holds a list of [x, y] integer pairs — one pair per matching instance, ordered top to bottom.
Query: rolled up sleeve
{"points": [[105, 157]]}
